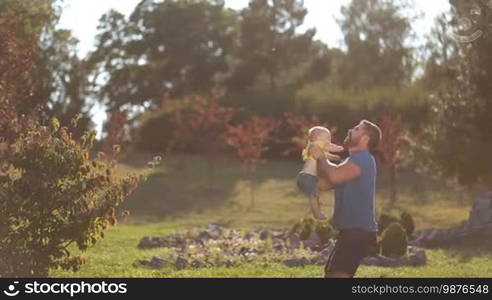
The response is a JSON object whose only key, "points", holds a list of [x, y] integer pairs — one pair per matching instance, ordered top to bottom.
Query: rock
{"points": [[481, 212], [215, 228], [264, 234], [277, 234], [205, 235], [249, 236], [294, 241], [148, 242], [313, 242], [278, 245], [324, 254], [417, 258], [370, 261], [387, 261], [296, 262], [157, 263], [181, 263], [229, 263], [198, 264]]}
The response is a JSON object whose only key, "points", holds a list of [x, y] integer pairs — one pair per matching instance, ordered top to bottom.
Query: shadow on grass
{"points": [[187, 183], [467, 249]]}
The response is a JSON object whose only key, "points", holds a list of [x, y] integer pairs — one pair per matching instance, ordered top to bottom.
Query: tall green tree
{"points": [[376, 35], [269, 43], [170, 48], [462, 140]]}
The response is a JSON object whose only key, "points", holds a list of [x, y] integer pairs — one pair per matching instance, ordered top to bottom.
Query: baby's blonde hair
{"points": [[315, 131]]}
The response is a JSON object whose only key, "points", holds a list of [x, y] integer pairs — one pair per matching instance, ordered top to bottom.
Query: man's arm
{"points": [[333, 173]]}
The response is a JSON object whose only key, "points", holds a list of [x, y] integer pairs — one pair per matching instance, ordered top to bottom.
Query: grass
{"points": [[184, 192]]}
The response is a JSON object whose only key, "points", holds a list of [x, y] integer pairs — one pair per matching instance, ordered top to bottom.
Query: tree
{"points": [[376, 34], [269, 43], [173, 48], [63, 77], [59, 82], [202, 125], [297, 132], [461, 133], [393, 138], [249, 141], [52, 194]]}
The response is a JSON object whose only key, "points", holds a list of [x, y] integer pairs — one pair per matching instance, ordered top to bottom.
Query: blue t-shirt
{"points": [[355, 199]]}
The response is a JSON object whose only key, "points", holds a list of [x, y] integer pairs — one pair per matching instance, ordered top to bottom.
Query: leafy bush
{"points": [[52, 195], [384, 221], [407, 222], [308, 226], [304, 227], [324, 231], [394, 241]]}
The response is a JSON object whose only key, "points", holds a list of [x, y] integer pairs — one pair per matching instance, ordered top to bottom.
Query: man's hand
{"points": [[316, 152]]}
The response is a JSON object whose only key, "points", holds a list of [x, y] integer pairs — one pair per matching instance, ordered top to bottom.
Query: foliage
{"points": [[376, 33], [269, 43], [174, 48], [344, 108], [195, 124], [115, 132], [295, 133], [460, 136], [249, 140], [390, 147], [53, 195], [384, 221], [407, 222], [305, 227], [325, 231], [394, 241]]}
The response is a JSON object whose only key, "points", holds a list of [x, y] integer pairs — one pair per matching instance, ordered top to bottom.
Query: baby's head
{"points": [[319, 133]]}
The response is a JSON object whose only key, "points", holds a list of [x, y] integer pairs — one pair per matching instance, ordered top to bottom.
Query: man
{"points": [[354, 182]]}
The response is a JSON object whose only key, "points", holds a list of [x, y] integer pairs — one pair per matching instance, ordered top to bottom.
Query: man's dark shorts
{"points": [[351, 247]]}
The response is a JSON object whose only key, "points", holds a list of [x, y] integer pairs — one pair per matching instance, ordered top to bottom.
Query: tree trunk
{"points": [[393, 194]]}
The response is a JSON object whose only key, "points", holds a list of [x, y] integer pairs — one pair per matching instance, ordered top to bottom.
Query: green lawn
{"points": [[184, 192]]}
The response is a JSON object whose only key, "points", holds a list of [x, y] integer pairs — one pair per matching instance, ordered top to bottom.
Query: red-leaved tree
{"points": [[16, 63], [201, 125], [297, 127], [115, 129], [393, 139], [249, 141]]}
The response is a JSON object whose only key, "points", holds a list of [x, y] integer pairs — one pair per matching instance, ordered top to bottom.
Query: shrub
{"points": [[193, 125], [52, 195], [384, 221], [407, 222], [308, 225], [305, 227], [296, 228], [324, 231], [394, 241]]}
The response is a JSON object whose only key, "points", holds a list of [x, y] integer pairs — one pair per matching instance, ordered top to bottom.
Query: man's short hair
{"points": [[374, 134]]}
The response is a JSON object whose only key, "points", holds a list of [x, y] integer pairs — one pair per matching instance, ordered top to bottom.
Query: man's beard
{"points": [[349, 141]]}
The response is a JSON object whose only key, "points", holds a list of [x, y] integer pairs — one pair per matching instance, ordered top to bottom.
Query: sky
{"points": [[82, 17]]}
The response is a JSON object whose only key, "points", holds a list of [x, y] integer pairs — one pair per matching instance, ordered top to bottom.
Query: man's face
{"points": [[354, 136]]}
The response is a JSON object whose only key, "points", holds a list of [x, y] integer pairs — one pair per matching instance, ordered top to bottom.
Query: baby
{"points": [[307, 179]]}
